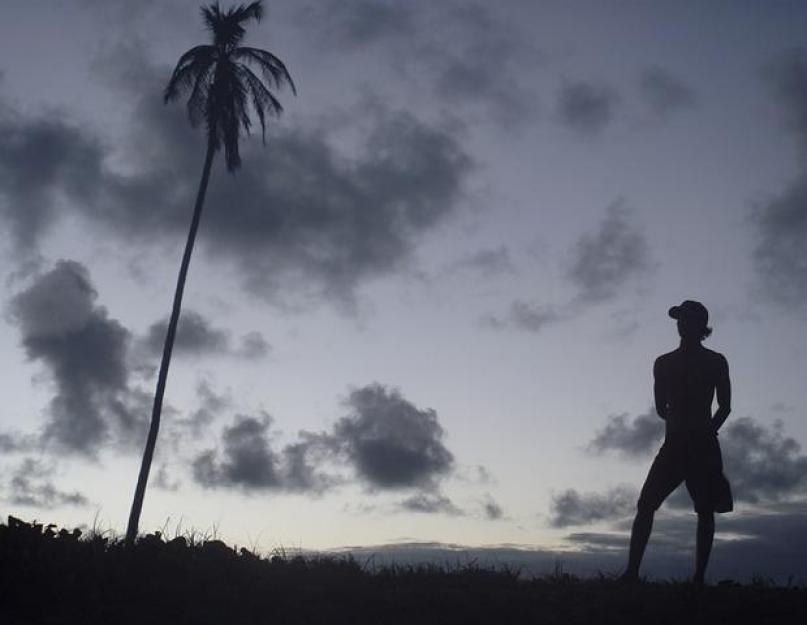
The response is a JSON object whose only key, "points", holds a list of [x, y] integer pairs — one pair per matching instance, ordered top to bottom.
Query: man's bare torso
{"points": [[685, 384]]}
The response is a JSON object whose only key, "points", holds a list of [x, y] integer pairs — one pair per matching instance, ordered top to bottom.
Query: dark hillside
{"points": [[55, 577]]}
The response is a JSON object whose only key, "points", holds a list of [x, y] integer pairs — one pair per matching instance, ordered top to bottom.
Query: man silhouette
{"points": [[685, 383]]}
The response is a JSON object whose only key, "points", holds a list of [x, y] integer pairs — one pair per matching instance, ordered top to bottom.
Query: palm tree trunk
{"points": [[151, 441]]}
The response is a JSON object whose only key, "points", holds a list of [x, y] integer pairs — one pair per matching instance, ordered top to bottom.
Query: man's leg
{"points": [[664, 475], [640, 534], [706, 534]]}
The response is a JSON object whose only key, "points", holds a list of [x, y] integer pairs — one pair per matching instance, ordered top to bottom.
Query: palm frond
{"points": [[227, 27], [194, 62], [273, 69], [224, 90], [263, 101]]}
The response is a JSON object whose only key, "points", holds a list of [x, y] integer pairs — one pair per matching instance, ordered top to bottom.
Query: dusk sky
{"points": [[427, 309]]}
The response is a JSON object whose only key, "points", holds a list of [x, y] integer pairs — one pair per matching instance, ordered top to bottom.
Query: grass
{"points": [[53, 576]]}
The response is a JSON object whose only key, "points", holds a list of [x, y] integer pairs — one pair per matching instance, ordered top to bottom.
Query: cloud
{"points": [[358, 23], [462, 54], [786, 76], [663, 92], [586, 108], [43, 162], [304, 218], [780, 222], [780, 257], [606, 260], [486, 262], [601, 265], [196, 336], [253, 346], [84, 351], [211, 405], [632, 438], [14, 442], [389, 442], [384, 443], [248, 461], [762, 463], [30, 486], [430, 503], [574, 508], [491, 510]]}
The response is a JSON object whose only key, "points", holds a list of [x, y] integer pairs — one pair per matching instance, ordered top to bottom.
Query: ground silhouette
{"points": [[55, 577]]}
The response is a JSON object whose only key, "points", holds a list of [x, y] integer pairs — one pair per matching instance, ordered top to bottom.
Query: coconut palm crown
{"points": [[222, 84], [223, 91]]}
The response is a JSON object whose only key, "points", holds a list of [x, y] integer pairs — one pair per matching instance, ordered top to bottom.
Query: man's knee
{"points": [[646, 506]]}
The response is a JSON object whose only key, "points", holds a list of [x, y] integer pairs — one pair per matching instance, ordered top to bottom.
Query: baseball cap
{"points": [[690, 310]]}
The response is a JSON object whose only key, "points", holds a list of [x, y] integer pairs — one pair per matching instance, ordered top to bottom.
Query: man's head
{"points": [[693, 320]]}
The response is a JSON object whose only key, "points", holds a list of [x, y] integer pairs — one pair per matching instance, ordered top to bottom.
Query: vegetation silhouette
{"points": [[222, 90], [686, 381], [60, 577]]}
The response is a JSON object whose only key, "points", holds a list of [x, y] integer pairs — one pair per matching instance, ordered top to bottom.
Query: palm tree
{"points": [[223, 91]]}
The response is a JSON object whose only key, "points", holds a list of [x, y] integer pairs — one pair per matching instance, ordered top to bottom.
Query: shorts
{"points": [[694, 458]]}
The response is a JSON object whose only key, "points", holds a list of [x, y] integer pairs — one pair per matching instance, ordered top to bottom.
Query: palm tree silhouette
{"points": [[223, 90]]}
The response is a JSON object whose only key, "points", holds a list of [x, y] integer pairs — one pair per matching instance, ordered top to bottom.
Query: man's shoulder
{"points": [[715, 356], [664, 359]]}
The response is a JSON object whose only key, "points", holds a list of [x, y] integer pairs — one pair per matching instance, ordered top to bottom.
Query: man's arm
{"points": [[659, 390], [723, 395]]}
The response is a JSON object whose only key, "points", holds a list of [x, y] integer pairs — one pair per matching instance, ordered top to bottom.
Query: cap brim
{"points": [[675, 312]]}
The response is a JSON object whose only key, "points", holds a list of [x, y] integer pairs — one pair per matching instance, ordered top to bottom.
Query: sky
{"points": [[422, 317]]}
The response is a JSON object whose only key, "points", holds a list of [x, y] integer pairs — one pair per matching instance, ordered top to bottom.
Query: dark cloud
{"points": [[358, 23], [462, 54], [484, 64], [787, 78], [663, 92], [586, 108], [43, 162], [302, 217], [780, 222], [780, 256], [605, 260], [487, 262], [601, 265], [533, 318], [195, 336], [253, 346], [84, 351], [211, 405], [633, 438], [14, 442], [385, 442], [390, 443], [248, 459], [249, 462], [762, 463], [162, 479], [30, 485], [430, 503], [574, 508], [492, 510]]}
